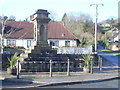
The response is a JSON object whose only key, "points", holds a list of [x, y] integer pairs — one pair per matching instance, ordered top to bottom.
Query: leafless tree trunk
{"points": [[3, 22], [80, 25]]}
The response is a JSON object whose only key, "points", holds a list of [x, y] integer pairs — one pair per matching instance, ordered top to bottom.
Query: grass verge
{"points": [[107, 51], [117, 54]]}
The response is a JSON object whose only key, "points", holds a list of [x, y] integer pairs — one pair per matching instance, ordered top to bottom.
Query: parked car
{"points": [[6, 52]]}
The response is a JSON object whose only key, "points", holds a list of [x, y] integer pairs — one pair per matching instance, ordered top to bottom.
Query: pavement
{"points": [[109, 72]]}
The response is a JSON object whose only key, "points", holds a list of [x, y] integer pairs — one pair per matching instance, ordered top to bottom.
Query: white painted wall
{"points": [[116, 39], [5, 42], [19, 42], [23, 42], [62, 42]]}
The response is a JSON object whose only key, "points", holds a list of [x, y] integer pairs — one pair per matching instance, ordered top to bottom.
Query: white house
{"points": [[19, 33], [115, 34], [117, 37]]}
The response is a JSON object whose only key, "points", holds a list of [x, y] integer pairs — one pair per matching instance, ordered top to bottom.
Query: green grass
{"points": [[105, 28], [107, 51], [117, 54]]}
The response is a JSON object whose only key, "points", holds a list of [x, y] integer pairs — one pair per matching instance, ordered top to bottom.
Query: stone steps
{"points": [[42, 48], [27, 51], [44, 52], [40, 54], [24, 55], [48, 58]]}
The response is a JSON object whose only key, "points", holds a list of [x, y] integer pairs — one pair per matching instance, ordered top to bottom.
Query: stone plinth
{"points": [[39, 57]]}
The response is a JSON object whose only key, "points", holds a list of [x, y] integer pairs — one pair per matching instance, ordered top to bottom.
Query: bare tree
{"points": [[53, 15], [12, 18], [26, 19], [2, 22], [81, 25], [5, 33]]}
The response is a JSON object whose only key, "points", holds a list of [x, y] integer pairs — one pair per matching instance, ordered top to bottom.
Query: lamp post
{"points": [[96, 10]]}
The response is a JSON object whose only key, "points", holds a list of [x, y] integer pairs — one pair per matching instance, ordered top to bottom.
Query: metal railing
{"points": [[74, 50]]}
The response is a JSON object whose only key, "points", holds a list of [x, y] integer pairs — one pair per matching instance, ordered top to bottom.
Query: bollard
{"points": [[101, 64], [50, 68], [68, 68], [91, 71], [18, 74]]}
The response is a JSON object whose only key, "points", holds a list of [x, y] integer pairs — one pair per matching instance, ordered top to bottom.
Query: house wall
{"points": [[116, 39], [5, 42], [20, 42], [27, 42], [62, 42]]}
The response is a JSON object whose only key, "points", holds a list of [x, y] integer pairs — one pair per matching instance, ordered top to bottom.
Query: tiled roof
{"points": [[20, 30], [25, 30], [56, 30]]}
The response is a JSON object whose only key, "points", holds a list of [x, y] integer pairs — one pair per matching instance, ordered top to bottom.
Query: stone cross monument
{"points": [[41, 19], [38, 59]]}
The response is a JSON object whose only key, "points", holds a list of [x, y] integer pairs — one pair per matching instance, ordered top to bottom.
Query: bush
{"points": [[11, 47], [12, 61]]}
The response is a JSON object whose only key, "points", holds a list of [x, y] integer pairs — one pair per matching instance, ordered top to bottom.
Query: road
{"points": [[109, 56], [12, 84], [105, 84]]}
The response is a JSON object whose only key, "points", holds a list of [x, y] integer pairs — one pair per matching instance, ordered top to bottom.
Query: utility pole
{"points": [[96, 10]]}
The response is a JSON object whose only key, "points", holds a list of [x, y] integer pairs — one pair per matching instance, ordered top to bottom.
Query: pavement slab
{"points": [[60, 78]]}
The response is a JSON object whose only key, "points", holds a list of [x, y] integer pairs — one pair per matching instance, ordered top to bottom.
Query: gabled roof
{"points": [[19, 30], [25, 30], [56, 30]]}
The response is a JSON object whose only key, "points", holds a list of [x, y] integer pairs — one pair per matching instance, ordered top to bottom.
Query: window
{"points": [[1, 42], [11, 42], [29, 43], [54, 43], [67, 43]]}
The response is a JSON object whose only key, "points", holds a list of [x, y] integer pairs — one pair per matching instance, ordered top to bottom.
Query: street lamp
{"points": [[96, 10]]}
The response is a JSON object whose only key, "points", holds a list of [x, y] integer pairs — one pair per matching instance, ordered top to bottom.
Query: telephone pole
{"points": [[96, 19]]}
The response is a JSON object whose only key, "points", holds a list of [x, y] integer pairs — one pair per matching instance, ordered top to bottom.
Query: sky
{"points": [[22, 9]]}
